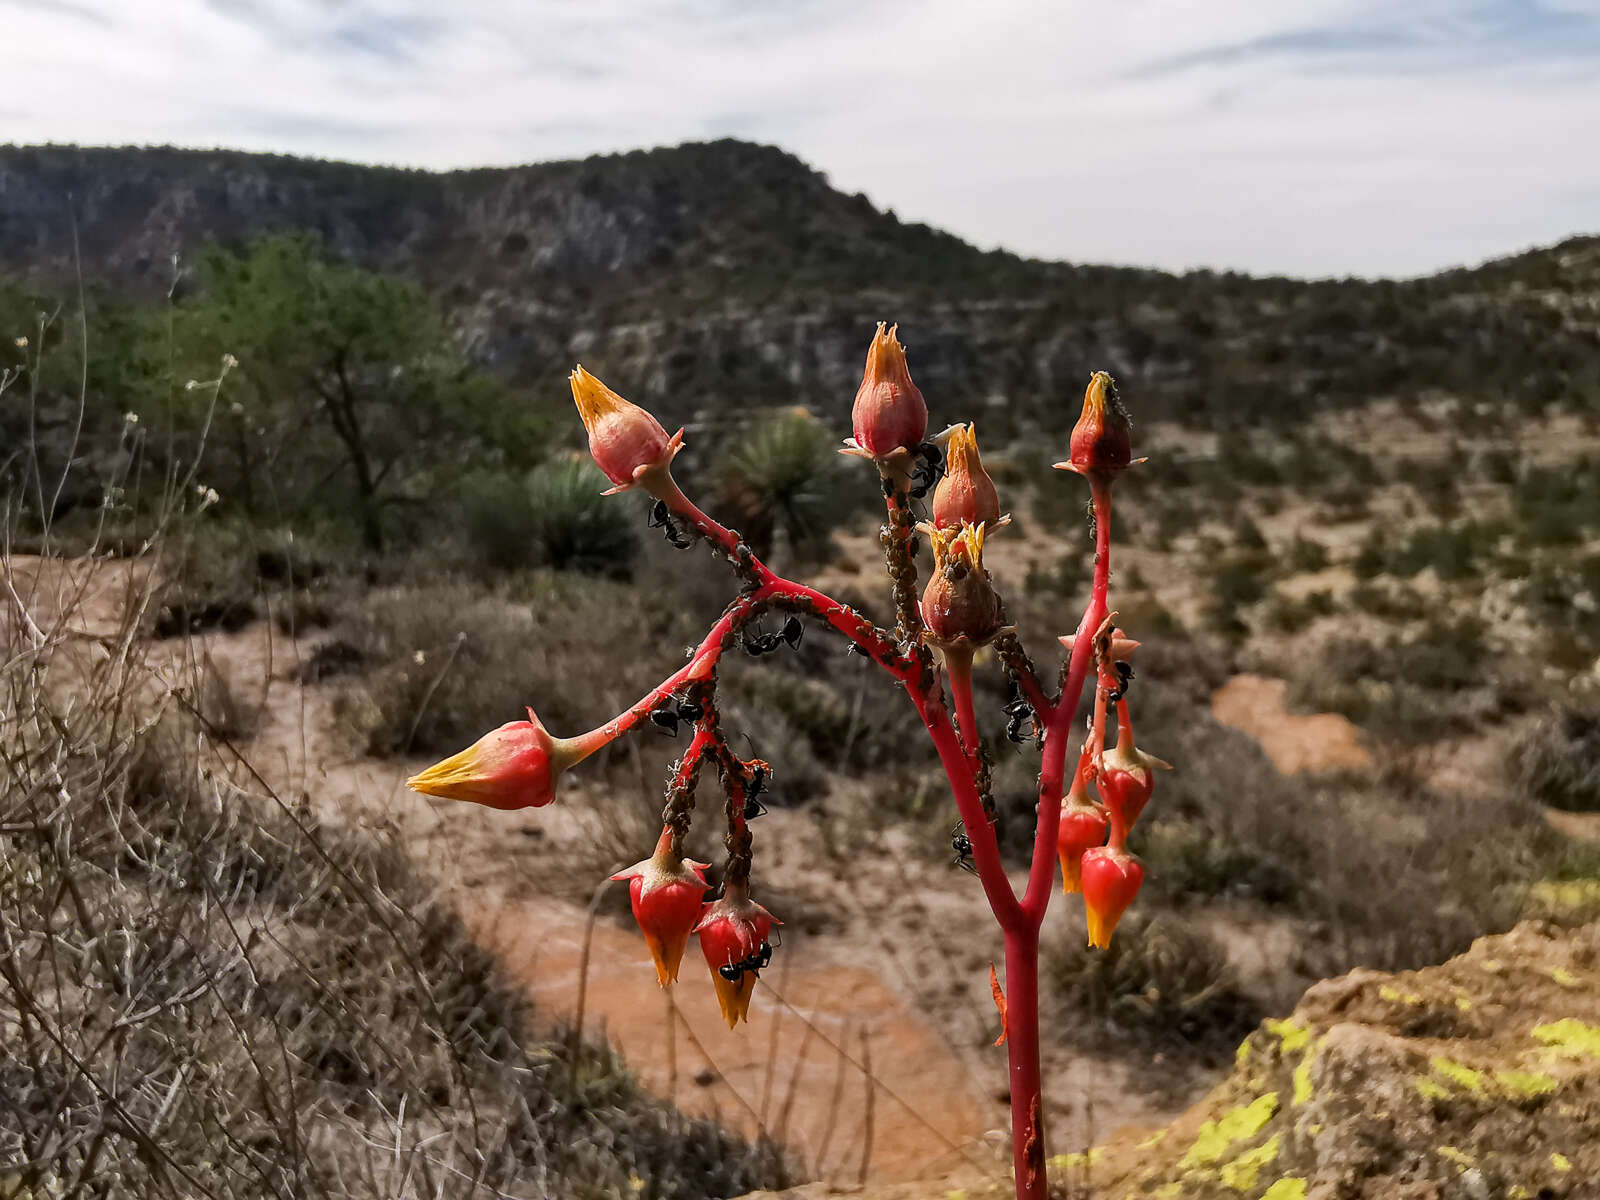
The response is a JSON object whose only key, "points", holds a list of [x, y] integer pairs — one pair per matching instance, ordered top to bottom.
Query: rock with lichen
{"points": [[1478, 1080]]}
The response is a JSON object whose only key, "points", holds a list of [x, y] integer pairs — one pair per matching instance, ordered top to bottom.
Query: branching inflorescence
{"points": [[929, 653]]}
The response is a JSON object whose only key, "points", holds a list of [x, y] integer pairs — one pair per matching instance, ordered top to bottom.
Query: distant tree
{"points": [[349, 393]]}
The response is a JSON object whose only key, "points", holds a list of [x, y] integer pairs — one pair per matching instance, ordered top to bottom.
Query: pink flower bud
{"points": [[890, 417], [1102, 440], [627, 443], [966, 495], [515, 766], [1111, 879], [667, 893], [734, 936]]}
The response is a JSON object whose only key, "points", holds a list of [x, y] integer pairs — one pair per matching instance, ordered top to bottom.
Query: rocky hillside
{"points": [[725, 275]]}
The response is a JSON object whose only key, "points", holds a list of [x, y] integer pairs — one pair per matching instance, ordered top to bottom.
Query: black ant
{"points": [[929, 469], [661, 518], [755, 645], [1124, 681], [1018, 712], [666, 718], [755, 784], [962, 845], [759, 960]]}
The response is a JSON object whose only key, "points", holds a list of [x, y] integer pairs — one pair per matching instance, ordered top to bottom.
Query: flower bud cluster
{"points": [[1092, 841]]}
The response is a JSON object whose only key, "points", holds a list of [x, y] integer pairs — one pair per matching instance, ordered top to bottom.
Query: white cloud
{"points": [[1322, 137]]}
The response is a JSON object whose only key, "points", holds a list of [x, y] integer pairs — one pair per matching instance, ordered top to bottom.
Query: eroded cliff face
{"points": [[726, 276]]}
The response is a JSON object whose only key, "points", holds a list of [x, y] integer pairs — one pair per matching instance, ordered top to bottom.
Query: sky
{"points": [[1300, 137]]}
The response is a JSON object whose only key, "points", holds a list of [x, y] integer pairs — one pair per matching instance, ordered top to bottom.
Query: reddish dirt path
{"points": [[1255, 705]]}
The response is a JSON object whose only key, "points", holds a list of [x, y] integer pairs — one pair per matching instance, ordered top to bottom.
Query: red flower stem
{"points": [[958, 666], [1028, 684], [1052, 768], [985, 850], [1021, 922]]}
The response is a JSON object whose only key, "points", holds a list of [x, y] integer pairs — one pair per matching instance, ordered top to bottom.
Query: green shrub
{"points": [[786, 479], [555, 516], [1559, 763], [1161, 979]]}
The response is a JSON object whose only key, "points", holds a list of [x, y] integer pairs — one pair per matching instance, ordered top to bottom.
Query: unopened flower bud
{"points": [[889, 418], [1102, 440], [627, 443], [966, 495], [959, 605], [515, 766], [1128, 777], [1083, 827], [1111, 879], [667, 893], [734, 935]]}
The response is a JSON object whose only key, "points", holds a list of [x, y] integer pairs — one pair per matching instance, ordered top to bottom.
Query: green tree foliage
{"points": [[350, 396]]}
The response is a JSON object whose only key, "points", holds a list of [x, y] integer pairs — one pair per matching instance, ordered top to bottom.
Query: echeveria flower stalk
{"points": [[627, 443], [667, 893]]}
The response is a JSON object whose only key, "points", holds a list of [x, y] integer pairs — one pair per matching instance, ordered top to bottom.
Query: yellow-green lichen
{"points": [[1492, 965], [1563, 976], [1396, 996], [1463, 1001], [1292, 1034], [1570, 1037], [1242, 1054], [1459, 1074], [1302, 1080], [1525, 1083], [1430, 1089], [1233, 1126], [1155, 1139], [1461, 1158], [1076, 1161], [1561, 1163], [1240, 1174], [1290, 1187], [1169, 1191], [1517, 1192]]}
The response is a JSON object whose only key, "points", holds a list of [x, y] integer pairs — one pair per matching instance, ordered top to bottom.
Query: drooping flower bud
{"points": [[889, 418], [1102, 440], [627, 443], [966, 495], [959, 605], [515, 766], [1128, 777], [1083, 827], [1111, 879], [667, 893], [734, 936]]}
